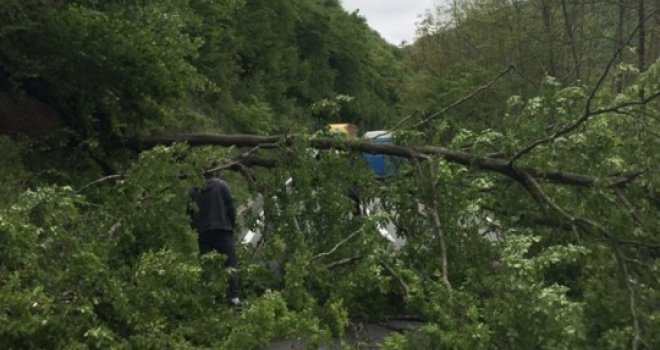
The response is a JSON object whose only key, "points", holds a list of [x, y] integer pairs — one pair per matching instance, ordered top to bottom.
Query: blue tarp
{"points": [[380, 164]]}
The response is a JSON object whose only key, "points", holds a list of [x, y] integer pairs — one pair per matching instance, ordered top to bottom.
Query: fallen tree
{"points": [[497, 165]]}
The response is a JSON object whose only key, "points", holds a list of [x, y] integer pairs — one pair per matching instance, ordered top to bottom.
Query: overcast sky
{"points": [[393, 19]]}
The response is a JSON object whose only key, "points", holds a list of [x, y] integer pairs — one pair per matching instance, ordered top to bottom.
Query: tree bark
{"points": [[546, 15], [569, 26], [618, 42], [641, 50], [497, 165]]}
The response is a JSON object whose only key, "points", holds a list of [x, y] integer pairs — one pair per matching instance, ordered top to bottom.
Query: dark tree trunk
{"points": [[546, 14], [569, 25], [618, 42], [641, 50]]}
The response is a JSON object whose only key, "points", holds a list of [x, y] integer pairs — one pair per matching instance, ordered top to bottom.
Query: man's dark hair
{"points": [[209, 172]]}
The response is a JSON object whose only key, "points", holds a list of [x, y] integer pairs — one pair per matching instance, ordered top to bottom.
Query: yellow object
{"points": [[350, 130]]}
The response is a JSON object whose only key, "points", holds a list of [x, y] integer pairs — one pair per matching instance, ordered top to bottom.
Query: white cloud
{"points": [[393, 19]]}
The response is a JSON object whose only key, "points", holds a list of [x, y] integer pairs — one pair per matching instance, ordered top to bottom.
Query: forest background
{"points": [[536, 121]]}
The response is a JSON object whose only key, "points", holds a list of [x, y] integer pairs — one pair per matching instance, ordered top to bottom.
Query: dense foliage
{"points": [[120, 69], [529, 199]]}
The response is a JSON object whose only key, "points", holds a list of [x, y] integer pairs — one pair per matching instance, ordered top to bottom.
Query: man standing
{"points": [[214, 220]]}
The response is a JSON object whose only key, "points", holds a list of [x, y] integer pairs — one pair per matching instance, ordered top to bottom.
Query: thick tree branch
{"points": [[210, 139], [496, 165], [535, 190], [440, 234], [343, 262]]}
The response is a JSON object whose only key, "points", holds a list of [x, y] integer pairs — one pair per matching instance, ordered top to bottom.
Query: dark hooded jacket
{"points": [[215, 207]]}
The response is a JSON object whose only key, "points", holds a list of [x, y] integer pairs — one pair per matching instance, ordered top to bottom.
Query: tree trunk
{"points": [[546, 14], [569, 25], [618, 42], [654, 49], [641, 50]]}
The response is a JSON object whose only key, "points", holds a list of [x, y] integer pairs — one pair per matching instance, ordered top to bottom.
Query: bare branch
{"points": [[611, 62], [464, 99], [621, 106], [402, 121], [203, 139], [229, 165], [247, 174], [101, 180], [534, 189], [431, 207], [629, 207], [114, 228], [650, 245], [334, 249], [627, 280], [403, 283], [411, 318]]}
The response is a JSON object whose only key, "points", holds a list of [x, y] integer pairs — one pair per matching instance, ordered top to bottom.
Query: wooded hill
{"points": [[534, 121]]}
